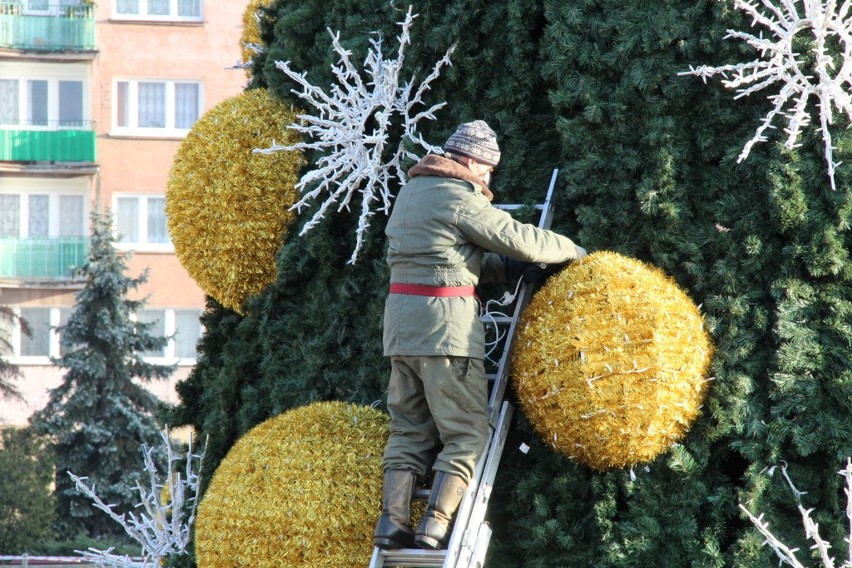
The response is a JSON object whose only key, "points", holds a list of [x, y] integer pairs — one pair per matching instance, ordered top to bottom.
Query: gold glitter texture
{"points": [[251, 30], [227, 207], [611, 361], [300, 489]]}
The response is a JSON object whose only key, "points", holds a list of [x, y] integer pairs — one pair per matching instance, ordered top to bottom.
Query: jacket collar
{"points": [[439, 166]]}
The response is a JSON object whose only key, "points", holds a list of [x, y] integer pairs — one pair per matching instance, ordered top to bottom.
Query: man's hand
{"points": [[531, 272]]}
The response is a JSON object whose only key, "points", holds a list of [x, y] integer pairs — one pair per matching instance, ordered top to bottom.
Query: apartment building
{"points": [[95, 98]]}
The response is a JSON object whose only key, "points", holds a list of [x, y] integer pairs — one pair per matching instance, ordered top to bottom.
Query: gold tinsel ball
{"points": [[251, 30], [227, 208], [610, 361], [300, 489]]}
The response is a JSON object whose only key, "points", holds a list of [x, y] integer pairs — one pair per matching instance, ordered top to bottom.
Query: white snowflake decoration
{"points": [[780, 64], [353, 159], [163, 528]]}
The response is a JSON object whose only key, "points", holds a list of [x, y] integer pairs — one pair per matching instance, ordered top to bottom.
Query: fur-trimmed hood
{"points": [[439, 166]]}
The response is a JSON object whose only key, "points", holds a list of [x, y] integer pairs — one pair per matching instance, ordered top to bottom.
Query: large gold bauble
{"points": [[227, 208], [610, 362], [300, 489]]}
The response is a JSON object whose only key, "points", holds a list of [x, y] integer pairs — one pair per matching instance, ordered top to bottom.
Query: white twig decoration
{"points": [[780, 64], [351, 125], [163, 528], [788, 555]]}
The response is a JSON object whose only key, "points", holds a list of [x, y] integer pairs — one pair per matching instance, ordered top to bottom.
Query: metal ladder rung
{"points": [[500, 320], [411, 557]]}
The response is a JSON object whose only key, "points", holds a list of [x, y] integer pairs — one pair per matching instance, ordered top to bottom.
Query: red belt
{"points": [[434, 291]]}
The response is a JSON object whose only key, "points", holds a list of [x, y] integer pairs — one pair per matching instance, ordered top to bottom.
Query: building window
{"points": [[48, 7], [165, 10], [41, 103], [160, 108], [41, 215], [141, 222], [182, 326], [157, 328], [37, 344]]}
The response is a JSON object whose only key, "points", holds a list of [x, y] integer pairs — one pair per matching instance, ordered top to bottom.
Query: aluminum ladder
{"points": [[471, 535]]}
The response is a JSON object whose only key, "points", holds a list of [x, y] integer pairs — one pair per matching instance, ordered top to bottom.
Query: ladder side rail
{"points": [[549, 202], [498, 390], [499, 411], [485, 487], [483, 539]]}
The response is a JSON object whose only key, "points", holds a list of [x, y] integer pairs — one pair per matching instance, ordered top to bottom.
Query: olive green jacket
{"points": [[439, 232]]}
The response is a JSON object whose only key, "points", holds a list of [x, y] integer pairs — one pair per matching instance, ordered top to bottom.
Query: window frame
{"points": [[144, 16], [53, 75], [132, 129], [54, 191], [142, 224], [54, 318]]}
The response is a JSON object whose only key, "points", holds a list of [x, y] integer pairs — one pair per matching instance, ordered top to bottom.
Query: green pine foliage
{"points": [[648, 162], [101, 413], [27, 503]]}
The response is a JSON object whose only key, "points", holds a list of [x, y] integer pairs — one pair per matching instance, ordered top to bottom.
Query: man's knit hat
{"points": [[475, 140]]}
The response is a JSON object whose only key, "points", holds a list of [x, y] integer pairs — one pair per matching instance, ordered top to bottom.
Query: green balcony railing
{"points": [[47, 26], [66, 144], [41, 257]]}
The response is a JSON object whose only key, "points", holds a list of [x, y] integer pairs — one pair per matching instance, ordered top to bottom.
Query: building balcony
{"points": [[47, 27], [65, 143], [41, 258]]}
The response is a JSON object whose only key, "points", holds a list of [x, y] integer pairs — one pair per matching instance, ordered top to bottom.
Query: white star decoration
{"points": [[779, 64], [352, 125]]}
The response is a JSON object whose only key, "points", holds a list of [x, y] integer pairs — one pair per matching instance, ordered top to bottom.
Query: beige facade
{"points": [[94, 102]]}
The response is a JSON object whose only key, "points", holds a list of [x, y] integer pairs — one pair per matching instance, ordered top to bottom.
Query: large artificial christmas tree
{"points": [[649, 168], [101, 413]]}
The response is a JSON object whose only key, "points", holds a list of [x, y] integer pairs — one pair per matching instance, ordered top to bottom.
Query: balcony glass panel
{"points": [[47, 26], [41, 257]]}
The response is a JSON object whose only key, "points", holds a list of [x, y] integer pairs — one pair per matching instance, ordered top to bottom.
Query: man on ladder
{"points": [[445, 237]]}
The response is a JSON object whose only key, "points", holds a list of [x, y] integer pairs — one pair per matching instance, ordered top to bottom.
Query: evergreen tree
{"points": [[649, 168], [101, 414], [27, 504]]}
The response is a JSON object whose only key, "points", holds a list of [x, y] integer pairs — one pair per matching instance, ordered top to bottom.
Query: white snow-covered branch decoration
{"points": [[829, 25], [351, 125], [163, 528], [786, 554]]}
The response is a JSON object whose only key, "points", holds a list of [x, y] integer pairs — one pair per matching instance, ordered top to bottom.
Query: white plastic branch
{"points": [[777, 63], [351, 125], [162, 528], [787, 555]]}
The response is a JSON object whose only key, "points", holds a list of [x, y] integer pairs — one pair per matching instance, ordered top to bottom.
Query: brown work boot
{"points": [[393, 529], [434, 529]]}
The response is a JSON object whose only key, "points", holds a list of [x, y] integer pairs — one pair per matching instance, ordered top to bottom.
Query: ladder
{"points": [[471, 535]]}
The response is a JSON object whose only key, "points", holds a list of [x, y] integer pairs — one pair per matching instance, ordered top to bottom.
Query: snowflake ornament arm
{"points": [[779, 63], [353, 160], [163, 529]]}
